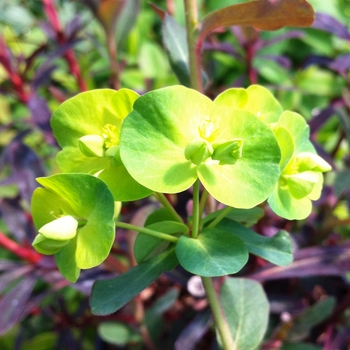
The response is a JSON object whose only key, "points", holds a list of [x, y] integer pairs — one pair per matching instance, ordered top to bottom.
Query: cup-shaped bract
{"points": [[255, 99], [87, 127], [176, 135], [301, 177], [74, 215]]}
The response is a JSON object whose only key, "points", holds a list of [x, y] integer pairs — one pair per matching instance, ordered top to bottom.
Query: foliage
{"points": [[153, 136]]}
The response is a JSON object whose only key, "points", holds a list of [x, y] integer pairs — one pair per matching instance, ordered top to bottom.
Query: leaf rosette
{"points": [[87, 128], [176, 135], [301, 177], [74, 215]]}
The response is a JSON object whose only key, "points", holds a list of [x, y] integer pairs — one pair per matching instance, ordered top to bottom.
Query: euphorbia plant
{"points": [[241, 149]]}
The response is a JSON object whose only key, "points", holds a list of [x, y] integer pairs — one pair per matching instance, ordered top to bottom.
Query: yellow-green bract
{"points": [[87, 127], [176, 135], [74, 215]]}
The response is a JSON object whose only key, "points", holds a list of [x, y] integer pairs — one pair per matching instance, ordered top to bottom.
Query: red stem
{"points": [[54, 20], [24, 253]]}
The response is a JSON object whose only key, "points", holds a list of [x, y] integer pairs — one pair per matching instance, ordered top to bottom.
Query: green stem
{"points": [[191, 26], [164, 201], [202, 202], [195, 215], [220, 217], [147, 231], [218, 314]]}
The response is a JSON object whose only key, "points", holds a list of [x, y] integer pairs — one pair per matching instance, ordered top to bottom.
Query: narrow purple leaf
{"points": [[329, 24], [73, 27], [293, 34], [223, 47], [282, 61], [341, 64], [42, 76], [40, 112], [320, 118], [25, 167], [16, 220], [314, 261], [13, 274], [13, 303], [194, 331]]}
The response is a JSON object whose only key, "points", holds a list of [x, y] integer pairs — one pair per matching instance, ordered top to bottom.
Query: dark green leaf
{"points": [[246, 217], [277, 249], [109, 296]]}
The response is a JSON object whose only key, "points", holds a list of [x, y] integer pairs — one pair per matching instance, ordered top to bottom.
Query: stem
{"points": [[191, 26], [194, 49], [113, 58], [164, 201], [203, 202], [195, 215], [220, 217], [147, 231], [219, 316]]}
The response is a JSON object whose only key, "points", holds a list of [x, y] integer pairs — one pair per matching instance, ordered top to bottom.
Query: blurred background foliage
{"points": [[52, 50]]}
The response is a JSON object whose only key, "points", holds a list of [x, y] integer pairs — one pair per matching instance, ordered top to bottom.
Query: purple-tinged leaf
{"points": [[262, 14], [329, 24], [73, 27], [48, 30], [293, 34], [223, 47], [317, 60], [282, 61], [341, 64], [42, 76], [40, 112], [320, 118], [344, 121], [25, 166], [16, 220], [314, 261], [8, 264], [9, 277], [13, 303], [194, 331], [341, 340]]}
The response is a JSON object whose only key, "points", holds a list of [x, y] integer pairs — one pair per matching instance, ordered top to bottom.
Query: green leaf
{"points": [[262, 14], [175, 43], [152, 61], [166, 121], [79, 124], [82, 198], [246, 217], [147, 246], [277, 249], [213, 253], [109, 296], [246, 309], [154, 315], [311, 317], [118, 333]]}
